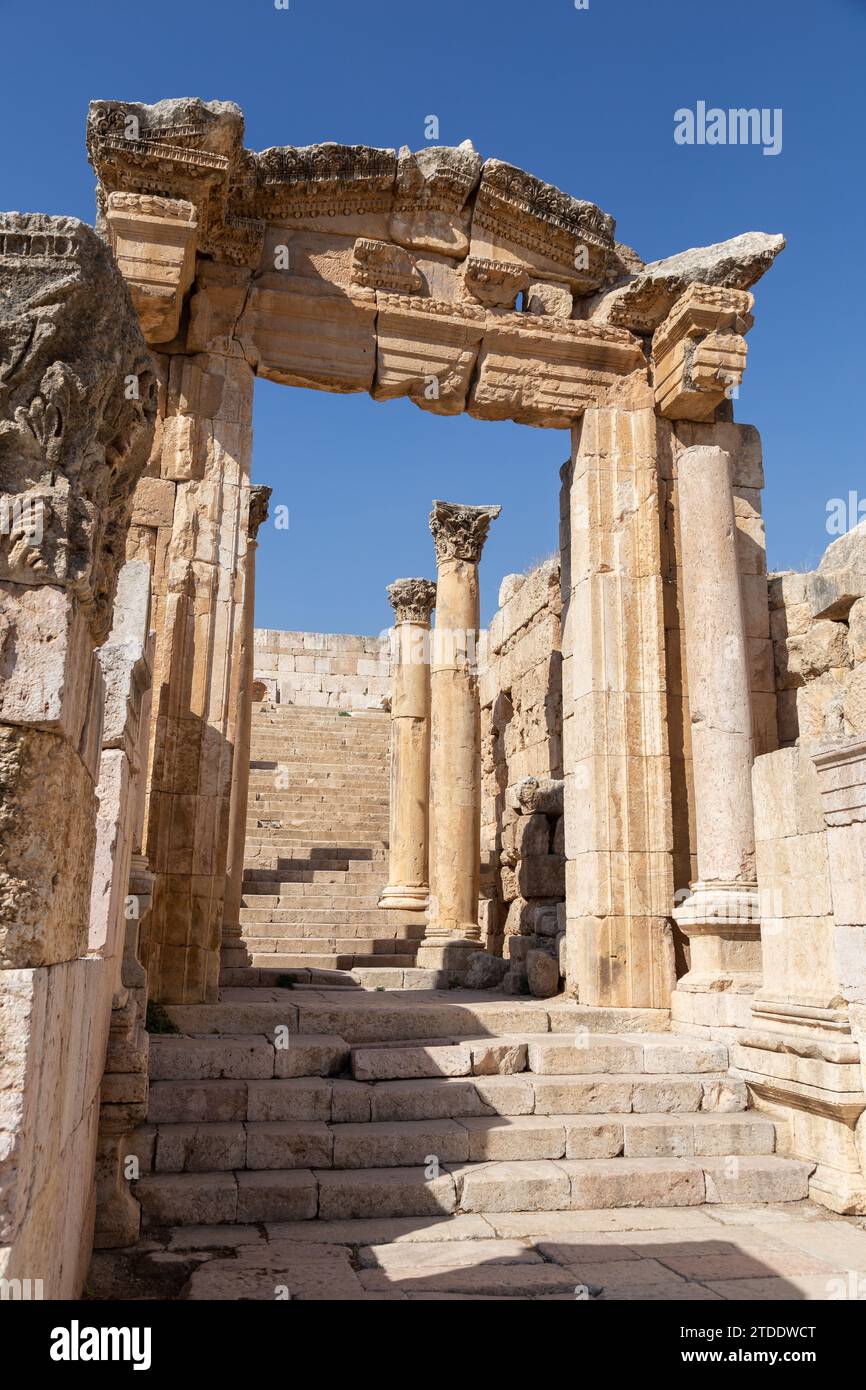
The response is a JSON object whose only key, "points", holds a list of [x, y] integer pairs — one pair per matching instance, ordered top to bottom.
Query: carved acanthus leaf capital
{"points": [[77, 406], [260, 496], [459, 531], [413, 600]]}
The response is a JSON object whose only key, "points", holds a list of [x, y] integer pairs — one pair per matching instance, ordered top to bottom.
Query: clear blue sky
{"points": [[584, 99]]}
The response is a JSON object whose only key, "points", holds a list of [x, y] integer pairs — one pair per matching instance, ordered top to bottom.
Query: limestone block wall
{"points": [[818, 624], [322, 670], [521, 733], [805, 1058]]}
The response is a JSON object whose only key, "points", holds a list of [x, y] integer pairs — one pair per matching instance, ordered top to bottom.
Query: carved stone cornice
{"points": [[432, 209], [518, 211], [699, 352], [77, 405], [260, 496], [459, 531], [413, 600]]}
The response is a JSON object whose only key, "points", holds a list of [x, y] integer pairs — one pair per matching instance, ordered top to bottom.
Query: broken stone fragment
{"points": [[431, 195], [647, 298], [539, 794], [542, 974]]}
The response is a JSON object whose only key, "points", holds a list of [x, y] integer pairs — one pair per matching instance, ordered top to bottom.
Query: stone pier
{"points": [[459, 533], [413, 601], [720, 914]]}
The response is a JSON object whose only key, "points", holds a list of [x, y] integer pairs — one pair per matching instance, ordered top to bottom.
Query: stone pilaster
{"points": [[258, 514], [190, 516], [459, 533], [413, 601], [618, 827], [117, 906], [720, 914]]}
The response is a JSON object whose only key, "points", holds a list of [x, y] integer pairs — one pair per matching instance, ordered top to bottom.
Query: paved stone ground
{"points": [[795, 1251]]}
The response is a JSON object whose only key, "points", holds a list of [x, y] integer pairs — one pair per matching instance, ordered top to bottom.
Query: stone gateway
{"points": [[447, 930]]}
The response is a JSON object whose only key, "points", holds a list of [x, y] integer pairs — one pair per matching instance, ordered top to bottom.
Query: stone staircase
{"points": [[316, 848], [285, 1105]]}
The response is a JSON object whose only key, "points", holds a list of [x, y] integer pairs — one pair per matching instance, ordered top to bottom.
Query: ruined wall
{"points": [[77, 402], [819, 644], [322, 670], [521, 737], [804, 1057]]}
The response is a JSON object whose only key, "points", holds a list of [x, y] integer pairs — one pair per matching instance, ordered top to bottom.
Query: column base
{"points": [[405, 899], [722, 923], [449, 957]]}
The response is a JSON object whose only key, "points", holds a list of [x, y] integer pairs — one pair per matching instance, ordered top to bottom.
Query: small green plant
{"points": [[344, 714], [157, 1020]]}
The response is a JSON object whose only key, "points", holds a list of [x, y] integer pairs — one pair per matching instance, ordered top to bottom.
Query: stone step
{"points": [[362, 890], [326, 917], [356, 932], [316, 945], [328, 960], [400, 1018], [594, 1053], [245, 1056], [317, 1094], [283, 1144], [218, 1198]]}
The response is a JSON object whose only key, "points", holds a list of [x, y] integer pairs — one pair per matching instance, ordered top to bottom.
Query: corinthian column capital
{"points": [[459, 532], [413, 600]]}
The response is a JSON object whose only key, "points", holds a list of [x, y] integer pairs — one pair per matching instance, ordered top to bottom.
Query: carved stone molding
{"points": [[432, 211], [518, 217], [154, 242], [379, 265], [495, 283], [426, 349], [699, 352], [544, 371], [77, 404], [260, 496], [459, 531], [413, 600]]}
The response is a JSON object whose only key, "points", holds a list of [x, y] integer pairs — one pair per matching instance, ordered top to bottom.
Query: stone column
{"points": [[258, 515], [459, 534], [413, 601], [618, 826], [720, 915]]}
